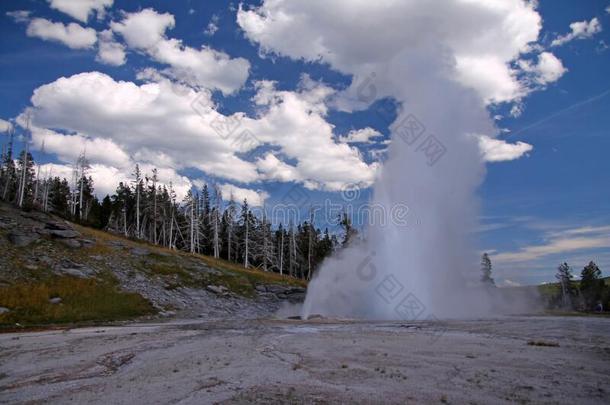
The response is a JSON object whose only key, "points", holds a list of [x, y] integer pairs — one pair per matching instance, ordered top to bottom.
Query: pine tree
{"points": [[83, 166], [25, 169], [9, 174], [138, 185], [153, 194], [60, 196], [86, 198], [123, 203], [105, 211], [190, 212], [172, 215], [215, 217], [207, 223], [246, 227], [229, 228], [349, 232], [279, 237], [311, 242], [265, 245], [324, 248], [292, 252], [486, 270], [564, 275], [591, 285]]}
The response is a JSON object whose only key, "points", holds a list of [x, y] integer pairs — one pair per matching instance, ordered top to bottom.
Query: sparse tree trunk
{"points": [[9, 157], [24, 171], [138, 180], [36, 184], [154, 195], [80, 204], [124, 220], [192, 225], [171, 228], [247, 236], [229, 238], [216, 242], [310, 244], [265, 246], [292, 248], [282, 252]]}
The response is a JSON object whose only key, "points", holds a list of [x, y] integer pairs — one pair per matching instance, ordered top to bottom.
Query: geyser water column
{"points": [[443, 62], [424, 266]]}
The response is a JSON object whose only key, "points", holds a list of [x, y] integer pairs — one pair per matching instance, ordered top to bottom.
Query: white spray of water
{"points": [[442, 62], [434, 168], [428, 268]]}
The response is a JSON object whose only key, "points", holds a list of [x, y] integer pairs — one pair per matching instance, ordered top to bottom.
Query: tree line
{"points": [[202, 222], [589, 294]]}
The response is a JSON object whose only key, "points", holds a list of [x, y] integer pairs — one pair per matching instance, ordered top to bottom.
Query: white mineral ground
{"points": [[316, 361]]}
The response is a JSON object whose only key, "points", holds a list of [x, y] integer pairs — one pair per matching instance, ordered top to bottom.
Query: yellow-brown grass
{"points": [[81, 300]]}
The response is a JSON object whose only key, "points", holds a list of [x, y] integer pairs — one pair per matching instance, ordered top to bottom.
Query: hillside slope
{"points": [[53, 271]]}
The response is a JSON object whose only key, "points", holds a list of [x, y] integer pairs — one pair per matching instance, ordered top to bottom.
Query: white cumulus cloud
{"points": [[81, 9], [579, 30], [72, 35], [479, 38], [110, 52], [204, 67], [547, 69], [5, 126], [171, 126], [364, 135], [498, 150], [255, 198]]}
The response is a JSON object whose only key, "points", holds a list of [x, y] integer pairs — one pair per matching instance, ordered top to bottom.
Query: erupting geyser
{"points": [[444, 63], [430, 266]]}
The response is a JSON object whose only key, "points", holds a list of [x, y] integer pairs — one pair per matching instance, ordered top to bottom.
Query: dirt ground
{"points": [[514, 359]]}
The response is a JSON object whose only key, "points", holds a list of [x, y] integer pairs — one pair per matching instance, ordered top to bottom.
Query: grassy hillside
{"points": [[107, 278], [550, 289], [549, 293]]}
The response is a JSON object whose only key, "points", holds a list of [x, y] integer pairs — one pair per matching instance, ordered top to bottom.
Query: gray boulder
{"points": [[34, 215], [6, 223], [57, 225], [64, 233], [22, 238], [87, 242], [72, 243], [116, 244], [138, 251], [68, 267], [75, 272], [218, 289], [55, 300], [4, 310]]}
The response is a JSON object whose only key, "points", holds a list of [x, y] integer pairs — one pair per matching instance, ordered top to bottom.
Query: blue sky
{"points": [[538, 207]]}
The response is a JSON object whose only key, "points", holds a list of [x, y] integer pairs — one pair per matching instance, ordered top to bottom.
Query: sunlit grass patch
{"points": [[167, 256], [169, 269], [255, 275], [81, 300]]}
